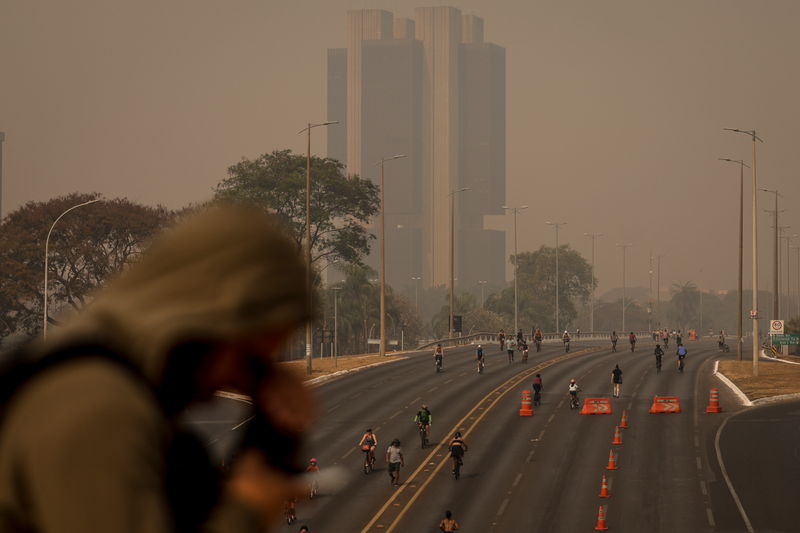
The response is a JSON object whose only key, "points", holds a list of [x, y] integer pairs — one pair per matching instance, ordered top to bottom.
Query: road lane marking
{"points": [[464, 374], [448, 381], [433, 389], [356, 396], [415, 401], [560, 404], [630, 405], [333, 409], [394, 415], [551, 418], [243, 423], [541, 435], [696, 441], [348, 453], [528, 460], [699, 465], [519, 476], [728, 480], [610, 482], [703, 488], [502, 507], [710, 517]]}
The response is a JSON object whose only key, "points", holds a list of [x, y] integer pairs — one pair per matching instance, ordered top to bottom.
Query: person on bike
{"points": [[578, 334], [538, 337], [665, 337], [502, 338], [678, 338], [614, 339], [632, 339], [565, 340], [721, 340], [524, 347], [510, 349], [658, 352], [681, 354], [438, 355], [480, 357], [616, 380], [538, 386], [573, 392], [424, 419], [369, 439], [457, 448], [394, 456], [312, 470], [448, 524], [304, 528]]}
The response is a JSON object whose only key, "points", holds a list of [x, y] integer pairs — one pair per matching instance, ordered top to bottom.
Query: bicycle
{"points": [[538, 345], [566, 346], [613, 346], [633, 346], [725, 348], [525, 356], [658, 364], [438, 365], [680, 365], [480, 367], [537, 397], [573, 401], [422, 436], [369, 459], [457, 469], [312, 489], [288, 511]]}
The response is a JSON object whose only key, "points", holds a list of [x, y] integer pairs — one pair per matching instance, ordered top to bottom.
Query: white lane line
{"points": [[464, 374], [448, 381], [376, 385], [433, 389], [633, 395], [356, 396], [416, 400], [560, 404], [630, 405], [333, 409], [394, 415], [551, 418], [243, 423], [376, 429], [541, 435], [696, 441], [348, 453], [528, 460], [699, 465], [519, 476], [728, 480], [610, 481], [703, 488], [502, 507], [710, 517]]}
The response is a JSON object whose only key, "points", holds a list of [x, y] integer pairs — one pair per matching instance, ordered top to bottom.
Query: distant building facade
{"points": [[430, 89]]}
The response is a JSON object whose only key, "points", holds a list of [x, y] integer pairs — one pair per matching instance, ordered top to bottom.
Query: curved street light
{"points": [[514, 210], [47, 249]]}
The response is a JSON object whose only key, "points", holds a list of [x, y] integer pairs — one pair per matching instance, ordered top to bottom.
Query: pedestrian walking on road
{"points": [[616, 379], [394, 456], [448, 524]]}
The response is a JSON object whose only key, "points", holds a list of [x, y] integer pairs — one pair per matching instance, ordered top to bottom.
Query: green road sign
{"points": [[785, 340]]}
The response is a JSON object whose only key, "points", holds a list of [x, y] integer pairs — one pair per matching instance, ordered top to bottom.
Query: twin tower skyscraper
{"points": [[433, 90]]}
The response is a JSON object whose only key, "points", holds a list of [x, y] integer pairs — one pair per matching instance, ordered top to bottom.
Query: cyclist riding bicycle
{"points": [[578, 334], [520, 336], [538, 337], [665, 337], [502, 338], [678, 338], [565, 339], [614, 339], [721, 340], [524, 347], [658, 352], [681, 354], [438, 355], [480, 357], [538, 386], [573, 392], [424, 418], [369, 439], [457, 448], [312, 470]]}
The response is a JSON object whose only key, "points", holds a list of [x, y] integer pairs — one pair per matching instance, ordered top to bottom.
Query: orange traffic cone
{"points": [[713, 403], [526, 409], [624, 423], [617, 440], [612, 464], [604, 489], [601, 521]]}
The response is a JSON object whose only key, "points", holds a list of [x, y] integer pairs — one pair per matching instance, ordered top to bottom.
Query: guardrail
{"points": [[492, 338]]}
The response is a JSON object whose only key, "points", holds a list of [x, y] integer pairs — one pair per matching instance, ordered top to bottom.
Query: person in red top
{"points": [[312, 470]]}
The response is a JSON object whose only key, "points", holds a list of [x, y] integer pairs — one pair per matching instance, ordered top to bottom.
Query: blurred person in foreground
{"points": [[89, 439]]}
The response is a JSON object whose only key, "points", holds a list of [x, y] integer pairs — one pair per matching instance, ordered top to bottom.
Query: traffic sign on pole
{"points": [[776, 327], [785, 340]]}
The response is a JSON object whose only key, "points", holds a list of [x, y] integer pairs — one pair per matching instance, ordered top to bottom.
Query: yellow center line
{"points": [[521, 375]]}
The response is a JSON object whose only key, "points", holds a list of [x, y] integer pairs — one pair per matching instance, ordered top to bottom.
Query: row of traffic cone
{"points": [[612, 465]]}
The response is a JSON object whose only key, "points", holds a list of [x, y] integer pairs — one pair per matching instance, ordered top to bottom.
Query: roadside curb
{"points": [[323, 379], [744, 399]]}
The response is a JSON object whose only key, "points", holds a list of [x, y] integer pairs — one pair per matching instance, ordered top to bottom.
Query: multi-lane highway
{"points": [[544, 471]]}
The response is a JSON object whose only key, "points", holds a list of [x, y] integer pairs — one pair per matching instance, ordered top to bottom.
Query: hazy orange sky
{"points": [[615, 112]]}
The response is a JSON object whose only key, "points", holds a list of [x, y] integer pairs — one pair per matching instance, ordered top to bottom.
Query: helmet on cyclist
{"points": [[479, 346], [538, 375], [573, 381], [424, 405], [369, 431], [458, 434], [313, 461]]}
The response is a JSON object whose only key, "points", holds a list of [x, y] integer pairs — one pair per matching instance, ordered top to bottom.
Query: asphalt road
{"points": [[545, 471]]}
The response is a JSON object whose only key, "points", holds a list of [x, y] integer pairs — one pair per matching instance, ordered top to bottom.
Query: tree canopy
{"points": [[340, 204], [86, 248]]}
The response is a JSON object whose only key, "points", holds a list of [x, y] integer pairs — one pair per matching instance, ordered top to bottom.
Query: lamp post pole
{"points": [[452, 196], [514, 210], [557, 225], [594, 237], [787, 238], [624, 248], [797, 249], [741, 250], [46, 253], [383, 261], [482, 284], [658, 293], [416, 295], [701, 298], [775, 301], [754, 311], [309, 324], [336, 326]]}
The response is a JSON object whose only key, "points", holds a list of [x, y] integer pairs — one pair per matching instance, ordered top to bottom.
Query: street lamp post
{"points": [[452, 196], [514, 210], [557, 225], [594, 237], [787, 238], [624, 248], [797, 249], [741, 250], [46, 253], [383, 261], [482, 284], [416, 287], [658, 293], [701, 298], [775, 302], [754, 311], [309, 324], [335, 326]]}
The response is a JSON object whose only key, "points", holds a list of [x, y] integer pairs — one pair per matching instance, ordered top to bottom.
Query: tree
{"points": [[340, 204], [87, 247], [685, 301], [462, 304]]}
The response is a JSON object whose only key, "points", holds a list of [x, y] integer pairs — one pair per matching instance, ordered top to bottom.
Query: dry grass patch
{"points": [[324, 366], [773, 379]]}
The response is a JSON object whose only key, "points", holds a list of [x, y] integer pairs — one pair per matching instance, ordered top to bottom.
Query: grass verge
{"points": [[773, 379]]}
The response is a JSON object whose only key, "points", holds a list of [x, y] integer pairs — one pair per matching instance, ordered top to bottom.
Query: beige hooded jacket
{"points": [[82, 448]]}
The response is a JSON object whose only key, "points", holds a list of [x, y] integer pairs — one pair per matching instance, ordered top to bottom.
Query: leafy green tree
{"points": [[341, 205], [87, 247], [480, 319]]}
